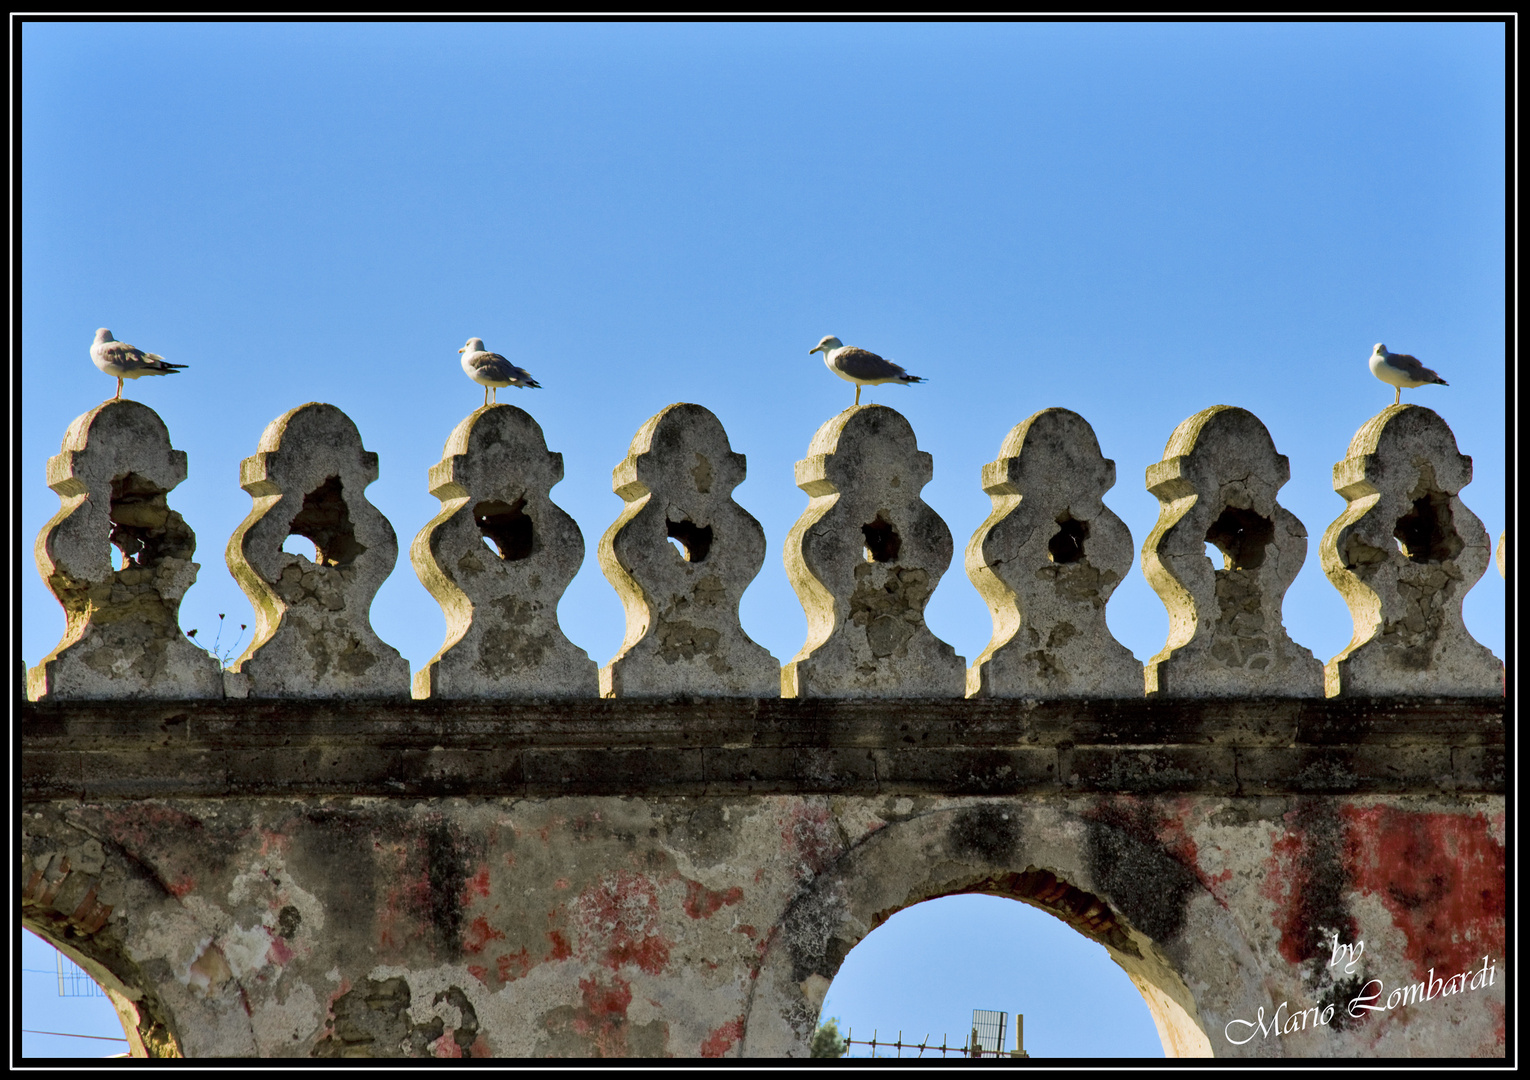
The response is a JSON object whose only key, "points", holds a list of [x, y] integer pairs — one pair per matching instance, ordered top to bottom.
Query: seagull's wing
{"points": [[124, 355], [861, 364], [1410, 366], [496, 367]]}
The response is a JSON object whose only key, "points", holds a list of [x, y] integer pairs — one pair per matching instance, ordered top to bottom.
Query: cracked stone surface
{"points": [[1217, 484], [1403, 555], [498, 558], [864, 558], [1046, 561], [683, 631], [122, 635], [313, 635], [629, 926]]}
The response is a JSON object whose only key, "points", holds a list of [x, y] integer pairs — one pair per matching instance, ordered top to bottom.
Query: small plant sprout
{"points": [[233, 650]]}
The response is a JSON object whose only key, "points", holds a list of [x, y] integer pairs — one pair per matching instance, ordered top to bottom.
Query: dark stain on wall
{"points": [[987, 832], [1136, 872]]}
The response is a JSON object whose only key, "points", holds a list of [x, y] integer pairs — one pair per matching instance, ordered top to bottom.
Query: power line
{"points": [[72, 1035]]}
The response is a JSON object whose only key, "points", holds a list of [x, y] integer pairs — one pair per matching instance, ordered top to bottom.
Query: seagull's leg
{"points": [[119, 389], [857, 393], [486, 397], [1398, 399]]}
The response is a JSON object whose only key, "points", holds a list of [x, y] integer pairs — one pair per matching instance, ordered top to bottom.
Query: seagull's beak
{"points": [[463, 349], [814, 349]]}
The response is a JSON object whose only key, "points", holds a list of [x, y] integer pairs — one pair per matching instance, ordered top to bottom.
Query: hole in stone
{"points": [[326, 521], [507, 527], [144, 528], [1426, 534], [1241, 536], [694, 540], [882, 541], [300, 545], [1067, 546]]}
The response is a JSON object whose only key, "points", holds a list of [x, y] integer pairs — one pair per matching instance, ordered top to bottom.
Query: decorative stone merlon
{"points": [[1217, 484], [1403, 555], [497, 558], [864, 558], [1046, 561], [683, 631], [313, 637], [122, 638]]}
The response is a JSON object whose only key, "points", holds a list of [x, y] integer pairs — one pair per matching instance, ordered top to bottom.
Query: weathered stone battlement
{"points": [[864, 558], [524, 854]]}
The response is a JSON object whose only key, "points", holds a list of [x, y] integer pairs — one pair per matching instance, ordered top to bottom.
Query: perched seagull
{"points": [[124, 361], [859, 366], [492, 369], [1401, 370]]}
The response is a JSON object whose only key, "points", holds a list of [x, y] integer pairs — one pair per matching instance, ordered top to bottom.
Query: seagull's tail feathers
{"points": [[164, 367], [905, 379], [1441, 381], [531, 384]]}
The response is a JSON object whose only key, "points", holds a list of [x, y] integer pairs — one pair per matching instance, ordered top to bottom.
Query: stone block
{"points": [[1217, 485], [1403, 555], [497, 558], [864, 558], [1046, 561], [683, 630], [122, 636], [313, 636]]}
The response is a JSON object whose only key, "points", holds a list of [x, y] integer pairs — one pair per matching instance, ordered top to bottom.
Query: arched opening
{"points": [[1096, 872], [919, 975], [64, 1012]]}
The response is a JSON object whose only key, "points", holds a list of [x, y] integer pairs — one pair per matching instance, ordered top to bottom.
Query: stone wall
{"points": [[521, 853]]}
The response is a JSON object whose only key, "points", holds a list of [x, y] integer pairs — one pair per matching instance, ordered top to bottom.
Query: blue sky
{"points": [[1132, 221]]}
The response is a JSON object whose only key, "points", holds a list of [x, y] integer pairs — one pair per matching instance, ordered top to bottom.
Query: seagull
{"points": [[124, 361], [859, 366], [492, 369], [1401, 370]]}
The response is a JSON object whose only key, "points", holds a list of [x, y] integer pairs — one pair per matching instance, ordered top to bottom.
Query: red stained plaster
{"points": [[1442, 878], [477, 885], [703, 903], [479, 934], [560, 947], [512, 966], [479, 972], [721, 1041]]}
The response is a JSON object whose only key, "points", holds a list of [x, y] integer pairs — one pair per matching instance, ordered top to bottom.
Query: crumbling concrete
{"points": [[1216, 485], [1403, 555], [497, 558], [864, 558], [1046, 561], [683, 631], [313, 636], [122, 637], [640, 926]]}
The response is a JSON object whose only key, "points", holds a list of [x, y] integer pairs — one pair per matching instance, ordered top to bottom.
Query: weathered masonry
{"points": [[519, 852]]}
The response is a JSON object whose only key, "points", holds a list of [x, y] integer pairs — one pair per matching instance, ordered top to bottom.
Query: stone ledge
{"points": [[759, 746]]}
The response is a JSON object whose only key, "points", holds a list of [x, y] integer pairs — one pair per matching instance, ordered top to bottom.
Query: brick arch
{"points": [[1089, 869], [107, 911]]}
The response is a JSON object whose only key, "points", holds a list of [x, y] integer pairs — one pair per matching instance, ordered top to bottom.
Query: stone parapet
{"points": [[1216, 485], [1403, 555], [497, 558], [864, 559], [681, 599], [313, 633]]}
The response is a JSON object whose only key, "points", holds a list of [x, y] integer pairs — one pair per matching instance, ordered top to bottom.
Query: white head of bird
{"points": [[474, 344], [827, 345]]}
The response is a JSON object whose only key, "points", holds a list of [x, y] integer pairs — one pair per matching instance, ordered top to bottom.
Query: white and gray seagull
{"points": [[124, 361], [859, 366], [491, 369], [1400, 370]]}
